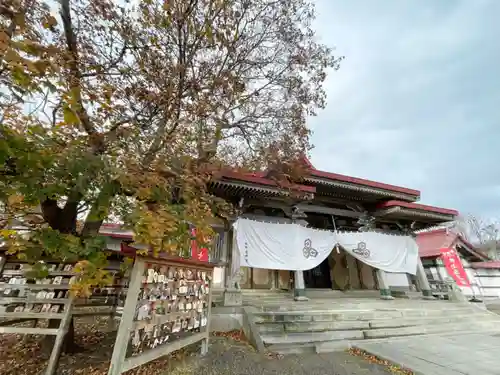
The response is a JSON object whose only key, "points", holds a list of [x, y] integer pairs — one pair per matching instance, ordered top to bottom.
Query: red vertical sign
{"points": [[197, 254], [454, 266]]}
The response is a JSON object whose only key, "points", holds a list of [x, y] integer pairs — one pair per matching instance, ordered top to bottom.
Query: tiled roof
{"points": [[262, 178], [359, 181], [417, 206], [431, 243]]}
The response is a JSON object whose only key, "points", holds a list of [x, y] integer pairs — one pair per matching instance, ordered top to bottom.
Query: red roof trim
{"points": [[307, 162], [260, 178], [265, 181], [362, 181], [417, 206], [111, 225], [117, 235], [430, 254], [491, 265]]}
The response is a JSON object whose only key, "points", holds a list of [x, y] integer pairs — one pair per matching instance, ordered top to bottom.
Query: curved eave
{"points": [[241, 189], [382, 193], [413, 214]]}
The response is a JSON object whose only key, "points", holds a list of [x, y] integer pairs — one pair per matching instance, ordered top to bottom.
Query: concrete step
{"points": [[259, 292], [326, 293], [363, 305], [453, 311], [355, 314], [322, 315], [434, 320], [317, 324], [314, 326], [427, 329], [310, 337], [336, 346], [293, 348]]}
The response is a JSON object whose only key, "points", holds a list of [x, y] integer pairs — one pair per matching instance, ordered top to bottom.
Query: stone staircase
{"points": [[324, 325]]}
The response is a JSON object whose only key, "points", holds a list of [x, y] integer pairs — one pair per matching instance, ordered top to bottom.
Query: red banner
{"points": [[200, 255], [454, 266]]}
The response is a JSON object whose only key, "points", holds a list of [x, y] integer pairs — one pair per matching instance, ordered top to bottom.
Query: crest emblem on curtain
{"points": [[362, 250], [309, 251]]}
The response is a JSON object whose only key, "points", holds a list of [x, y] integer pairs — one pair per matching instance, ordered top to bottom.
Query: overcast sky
{"points": [[416, 102]]}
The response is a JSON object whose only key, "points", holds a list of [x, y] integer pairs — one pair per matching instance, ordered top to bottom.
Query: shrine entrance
{"points": [[341, 271], [319, 276]]}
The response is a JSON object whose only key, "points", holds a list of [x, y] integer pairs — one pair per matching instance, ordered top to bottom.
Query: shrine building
{"points": [[326, 201], [332, 202]]}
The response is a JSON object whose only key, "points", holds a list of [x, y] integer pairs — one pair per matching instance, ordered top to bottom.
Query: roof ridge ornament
{"points": [[366, 222]]}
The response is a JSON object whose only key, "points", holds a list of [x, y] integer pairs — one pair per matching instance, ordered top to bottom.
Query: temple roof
{"points": [[327, 179], [255, 184], [360, 184], [391, 201], [410, 210], [430, 243]]}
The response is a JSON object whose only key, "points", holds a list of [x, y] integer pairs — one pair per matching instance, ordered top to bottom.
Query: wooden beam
{"points": [[271, 203], [328, 210], [268, 219], [127, 320], [29, 330], [58, 343], [151, 355]]}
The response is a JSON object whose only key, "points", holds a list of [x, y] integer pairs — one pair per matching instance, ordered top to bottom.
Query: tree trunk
{"points": [[63, 220]]}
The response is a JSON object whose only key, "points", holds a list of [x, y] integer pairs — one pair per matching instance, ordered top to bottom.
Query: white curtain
{"points": [[281, 246], [297, 248], [387, 252]]}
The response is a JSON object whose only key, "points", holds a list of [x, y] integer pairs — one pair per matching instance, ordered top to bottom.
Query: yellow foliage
{"points": [[49, 22], [70, 117], [148, 124], [15, 200], [7, 233], [81, 266], [80, 289]]}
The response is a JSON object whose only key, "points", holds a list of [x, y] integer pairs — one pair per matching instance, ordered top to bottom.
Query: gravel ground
{"points": [[227, 357]]}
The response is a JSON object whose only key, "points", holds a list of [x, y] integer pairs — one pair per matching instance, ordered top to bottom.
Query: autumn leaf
{"points": [[49, 22], [69, 116], [123, 127], [15, 199], [7, 233]]}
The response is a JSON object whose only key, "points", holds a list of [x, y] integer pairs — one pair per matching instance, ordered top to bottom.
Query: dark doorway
{"points": [[319, 276]]}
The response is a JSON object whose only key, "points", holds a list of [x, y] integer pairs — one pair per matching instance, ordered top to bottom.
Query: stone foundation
{"points": [[233, 297]]}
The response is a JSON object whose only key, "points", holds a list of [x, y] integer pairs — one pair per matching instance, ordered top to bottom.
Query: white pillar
{"points": [[225, 256], [228, 258], [423, 283], [299, 290], [385, 291], [232, 294]]}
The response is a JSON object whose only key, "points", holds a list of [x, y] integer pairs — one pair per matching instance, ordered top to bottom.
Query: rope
{"points": [[335, 231]]}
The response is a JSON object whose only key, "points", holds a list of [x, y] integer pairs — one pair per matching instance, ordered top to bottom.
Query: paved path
{"points": [[442, 355], [227, 358]]}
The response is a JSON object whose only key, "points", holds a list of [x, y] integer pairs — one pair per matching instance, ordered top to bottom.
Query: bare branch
{"points": [[74, 78]]}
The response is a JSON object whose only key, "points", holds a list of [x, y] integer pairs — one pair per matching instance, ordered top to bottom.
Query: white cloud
{"points": [[414, 103]]}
